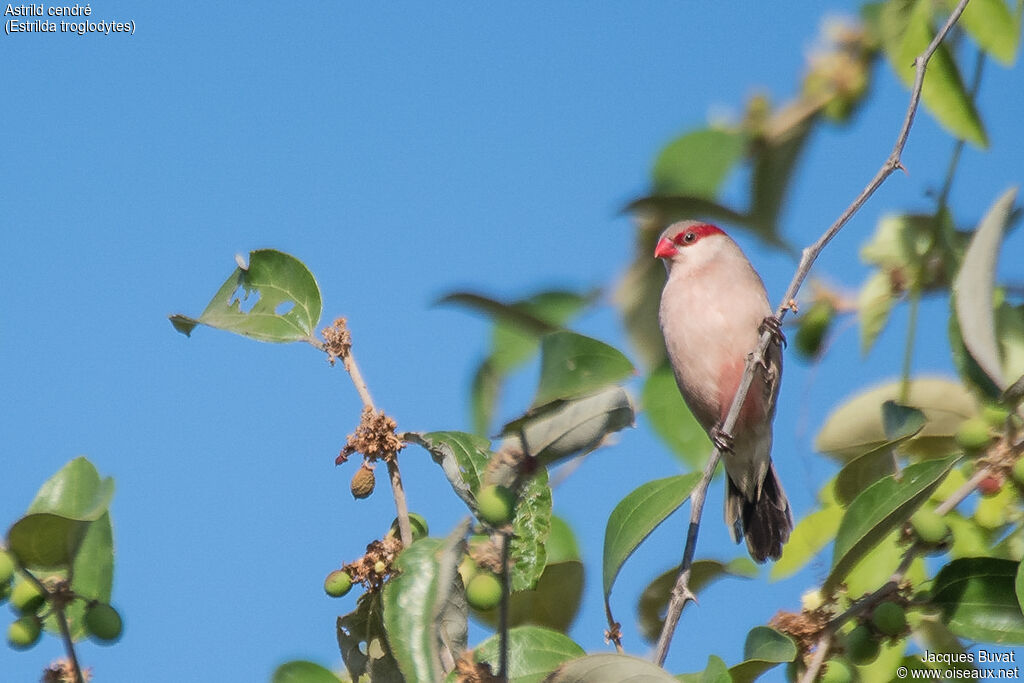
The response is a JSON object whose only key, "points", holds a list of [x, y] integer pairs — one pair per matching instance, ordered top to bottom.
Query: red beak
{"points": [[665, 249]]}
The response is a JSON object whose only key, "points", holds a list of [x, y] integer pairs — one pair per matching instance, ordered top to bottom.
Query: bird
{"points": [[713, 309]]}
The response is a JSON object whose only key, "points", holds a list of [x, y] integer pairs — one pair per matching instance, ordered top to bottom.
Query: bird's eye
{"points": [[689, 237]]}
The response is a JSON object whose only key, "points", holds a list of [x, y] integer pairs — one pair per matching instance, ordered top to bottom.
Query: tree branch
{"points": [[339, 345], [757, 357]]}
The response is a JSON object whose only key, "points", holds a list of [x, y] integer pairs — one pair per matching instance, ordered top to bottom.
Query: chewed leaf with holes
{"points": [[274, 299]]}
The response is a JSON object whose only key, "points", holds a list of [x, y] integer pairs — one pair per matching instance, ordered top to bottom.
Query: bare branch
{"points": [[339, 345], [757, 357]]}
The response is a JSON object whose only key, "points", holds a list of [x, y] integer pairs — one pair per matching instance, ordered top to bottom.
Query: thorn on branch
{"points": [[613, 635]]}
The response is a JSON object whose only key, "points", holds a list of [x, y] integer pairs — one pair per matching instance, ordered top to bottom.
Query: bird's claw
{"points": [[773, 326], [721, 440]]}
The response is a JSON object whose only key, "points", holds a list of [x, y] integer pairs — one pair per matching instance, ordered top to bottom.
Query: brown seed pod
{"points": [[363, 482]]}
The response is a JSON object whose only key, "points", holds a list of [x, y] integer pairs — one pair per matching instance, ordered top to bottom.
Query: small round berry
{"points": [[973, 434], [495, 504], [337, 583], [484, 591], [26, 597], [889, 619], [102, 622], [24, 632], [861, 645]]}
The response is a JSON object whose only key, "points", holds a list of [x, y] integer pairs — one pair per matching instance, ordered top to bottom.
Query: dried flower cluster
{"points": [[337, 340], [375, 438], [379, 556]]}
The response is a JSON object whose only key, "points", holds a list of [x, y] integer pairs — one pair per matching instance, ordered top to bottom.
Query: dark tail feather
{"points": [[765, 522]]}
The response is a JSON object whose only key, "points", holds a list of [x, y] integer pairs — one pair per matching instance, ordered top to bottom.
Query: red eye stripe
{"points": [[699, 231]]}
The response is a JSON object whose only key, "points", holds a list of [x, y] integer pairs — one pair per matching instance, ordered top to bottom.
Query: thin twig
{"points": [[757, 357], [394, 474], [681, 593], [503, 609], [69, 644]]}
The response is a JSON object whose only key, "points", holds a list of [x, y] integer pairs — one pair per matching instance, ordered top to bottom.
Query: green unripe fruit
{"points": [[813, 326], [995, 416], [973, 434], [1018, 471], [495, 503], [990, 516], [417, 525], [929, 526], [6, 567], [379, 567], [467, 570], [337, 583], [5, 591], [484, 591], [26, 597], [889, 619], [102, 622], [24, 633], [861, 646], [837, 671]]}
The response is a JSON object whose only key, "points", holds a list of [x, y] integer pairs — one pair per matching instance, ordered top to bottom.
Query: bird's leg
{"points": [[773, 325], [721, 439]]}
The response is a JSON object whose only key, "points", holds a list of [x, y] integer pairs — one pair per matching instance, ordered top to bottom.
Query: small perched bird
{"points": [[713, 309]]}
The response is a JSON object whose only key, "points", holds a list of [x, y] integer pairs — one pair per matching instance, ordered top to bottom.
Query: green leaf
{"points": [[993, 27], [907, 32], [774, 160], [697, 163], [671, 208], [973, 290], [637, 296], [287, 303], [874, 304], [518, 327], [573, 365], [968, 369], [483, 393], [671, 419], [901, 422], [856, 426], [575, 427], [461, 455], [863, 471], [75, 491], [879, 509], [637, 515], [58, 517], [530, 528], [808, 538], [45, 540], [92, 576], [654, 599], [978, 599], [555, 600], [415, 601], [363, 642], [768, 645], [764, 649], [533, 652], [610, 668], [303, 672], [715, 672]]}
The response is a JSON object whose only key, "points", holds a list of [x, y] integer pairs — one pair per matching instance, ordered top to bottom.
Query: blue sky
{"points": [[401, 151]]}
